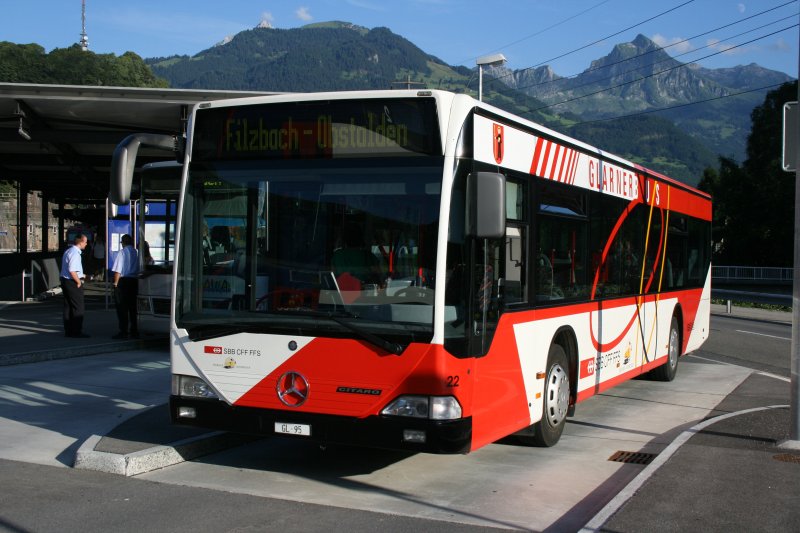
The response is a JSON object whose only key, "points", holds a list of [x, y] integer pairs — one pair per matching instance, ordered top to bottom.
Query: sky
{"points": [[566, 34]]}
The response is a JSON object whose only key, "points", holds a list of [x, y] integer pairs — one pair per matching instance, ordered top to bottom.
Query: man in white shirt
{"points": [[72, 287], [126, 288]]}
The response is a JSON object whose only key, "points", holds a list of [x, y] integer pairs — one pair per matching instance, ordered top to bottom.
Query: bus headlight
{"points": [[191, 387], [432, 407], [445, 408]]}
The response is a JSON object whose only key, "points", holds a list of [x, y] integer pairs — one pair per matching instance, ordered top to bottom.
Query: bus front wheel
{"points": [[667, 371], [547, 431]]}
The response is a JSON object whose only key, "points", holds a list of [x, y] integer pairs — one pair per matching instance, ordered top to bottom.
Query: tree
{"points": [[30, 63], [754, 203]]}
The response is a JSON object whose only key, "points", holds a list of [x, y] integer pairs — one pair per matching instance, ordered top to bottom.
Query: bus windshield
{"points": [[310, 247]]}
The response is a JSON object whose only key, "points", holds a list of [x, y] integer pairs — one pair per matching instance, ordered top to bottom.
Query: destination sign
{"points": [[330, 129]]}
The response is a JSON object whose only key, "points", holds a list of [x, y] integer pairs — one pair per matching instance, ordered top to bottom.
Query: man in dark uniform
{"points": [[72, 287], [126, 288]]}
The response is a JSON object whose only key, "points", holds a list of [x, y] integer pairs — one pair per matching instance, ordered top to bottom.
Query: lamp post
{"points": [[493, 60]]}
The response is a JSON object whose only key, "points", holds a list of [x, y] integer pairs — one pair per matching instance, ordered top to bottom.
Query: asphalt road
{"points": [[757, 344]]}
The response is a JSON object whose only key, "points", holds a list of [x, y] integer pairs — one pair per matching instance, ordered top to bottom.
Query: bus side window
{"points": [[562, 263]]}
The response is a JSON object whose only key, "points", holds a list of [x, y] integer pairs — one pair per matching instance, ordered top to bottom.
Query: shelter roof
{"points": [[73, 131]]}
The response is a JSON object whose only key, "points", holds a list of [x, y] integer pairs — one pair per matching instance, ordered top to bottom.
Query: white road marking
{"points": [[763, 335], [760, 372], [627, 493]]}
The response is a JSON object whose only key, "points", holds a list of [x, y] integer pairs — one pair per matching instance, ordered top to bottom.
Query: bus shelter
{"points": [[56, 143]]}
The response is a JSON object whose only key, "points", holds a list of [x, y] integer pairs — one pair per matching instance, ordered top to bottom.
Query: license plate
{"points": [[293, 429]]}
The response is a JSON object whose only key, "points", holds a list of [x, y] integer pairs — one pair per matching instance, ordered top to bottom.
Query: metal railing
{"points": [[744, 274], [773, 280]]}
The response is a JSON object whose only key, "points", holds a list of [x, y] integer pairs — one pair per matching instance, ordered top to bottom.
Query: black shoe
{"points": [[120, 335], [134, 335], [78, 336]]}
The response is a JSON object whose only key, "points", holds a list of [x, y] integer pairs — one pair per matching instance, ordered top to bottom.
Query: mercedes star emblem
{"points": [[292, 389]]}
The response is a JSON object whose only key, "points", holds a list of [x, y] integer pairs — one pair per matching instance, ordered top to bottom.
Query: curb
{"points": [[68, 353], [140, 462]]}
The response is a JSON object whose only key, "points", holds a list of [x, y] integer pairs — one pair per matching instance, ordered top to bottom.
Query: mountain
{"points": [[330, 56], [640, 76], [633, 78]]}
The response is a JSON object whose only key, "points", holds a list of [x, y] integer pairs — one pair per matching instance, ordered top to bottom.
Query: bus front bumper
{"points": [[389, 432]]}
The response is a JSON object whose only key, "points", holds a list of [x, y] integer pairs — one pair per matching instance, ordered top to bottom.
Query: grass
{"points": [[749, 305]]}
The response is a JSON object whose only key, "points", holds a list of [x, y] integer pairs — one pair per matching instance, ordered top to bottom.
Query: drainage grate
{"points": [[637, 458], [787, 458]]}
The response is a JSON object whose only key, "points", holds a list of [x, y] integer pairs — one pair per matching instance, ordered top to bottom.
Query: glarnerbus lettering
{"points": [[613, 180]]}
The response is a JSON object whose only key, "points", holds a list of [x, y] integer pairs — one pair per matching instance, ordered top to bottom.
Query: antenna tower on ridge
{"points": [[84, 38]]}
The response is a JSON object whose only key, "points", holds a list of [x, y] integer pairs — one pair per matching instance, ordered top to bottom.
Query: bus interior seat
{"points": [[220, 239]]}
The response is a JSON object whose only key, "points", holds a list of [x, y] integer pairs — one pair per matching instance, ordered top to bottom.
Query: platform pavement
{"points": [[33, 331], [729, 472]]}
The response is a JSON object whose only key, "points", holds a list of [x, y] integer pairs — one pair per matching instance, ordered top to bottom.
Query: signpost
{"points": [[791, 135]]}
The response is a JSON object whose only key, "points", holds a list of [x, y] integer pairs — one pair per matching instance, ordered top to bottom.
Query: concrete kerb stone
{"points": [[78, 351], [789, 445], [147, 460]]}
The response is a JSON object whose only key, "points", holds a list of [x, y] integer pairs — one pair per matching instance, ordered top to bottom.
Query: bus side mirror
{"points": [[123, 162], [486, 205]]}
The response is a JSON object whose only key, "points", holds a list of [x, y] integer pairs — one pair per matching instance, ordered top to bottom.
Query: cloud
{"points": [[361, 4], [741, 7], [303, 14], [266, 20], [195, 32], [676, 45], [781, 46], [727, 49]]}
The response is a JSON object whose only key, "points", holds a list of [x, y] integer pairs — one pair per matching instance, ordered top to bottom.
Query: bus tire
{"points": [[667, 371], [548, 430]]}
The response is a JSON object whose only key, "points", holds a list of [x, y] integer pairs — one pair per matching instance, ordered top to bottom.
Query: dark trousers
{"points": [[125, 296], [73, 307]]}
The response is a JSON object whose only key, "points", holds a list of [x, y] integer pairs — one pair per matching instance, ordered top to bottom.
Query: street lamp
{"points": [[493, 60]]}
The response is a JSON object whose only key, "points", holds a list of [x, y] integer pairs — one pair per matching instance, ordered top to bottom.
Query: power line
{"points": [[564, 21], [600, 40], [660, 48], [670, 58], [682, 65], [678, 105]]}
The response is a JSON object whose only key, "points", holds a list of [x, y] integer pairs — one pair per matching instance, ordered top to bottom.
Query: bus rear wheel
{"points": [[667, 371], [548, 430]]}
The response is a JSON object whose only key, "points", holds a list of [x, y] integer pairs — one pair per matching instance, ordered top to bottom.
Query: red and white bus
{"points": [[418, 270]]}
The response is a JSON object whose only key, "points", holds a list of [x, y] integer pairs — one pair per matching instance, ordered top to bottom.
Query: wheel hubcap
{"points": [[673, 347], [557, 401]]}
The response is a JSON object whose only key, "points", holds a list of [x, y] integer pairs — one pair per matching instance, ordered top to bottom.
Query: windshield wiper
{"points": [[201, 332], [380, 342]]}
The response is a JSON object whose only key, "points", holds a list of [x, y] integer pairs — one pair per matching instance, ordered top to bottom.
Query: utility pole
{"points": [[494, 60], [408, 83], [794, 363]]}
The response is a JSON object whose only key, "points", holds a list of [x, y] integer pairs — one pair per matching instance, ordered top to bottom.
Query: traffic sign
{"points": [[790, 136]]}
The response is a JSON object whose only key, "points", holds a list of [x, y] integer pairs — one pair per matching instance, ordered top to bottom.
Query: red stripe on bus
{"points": [[537, 152], [566, 156], [545, 159], [555, 162], [574, 170]]}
